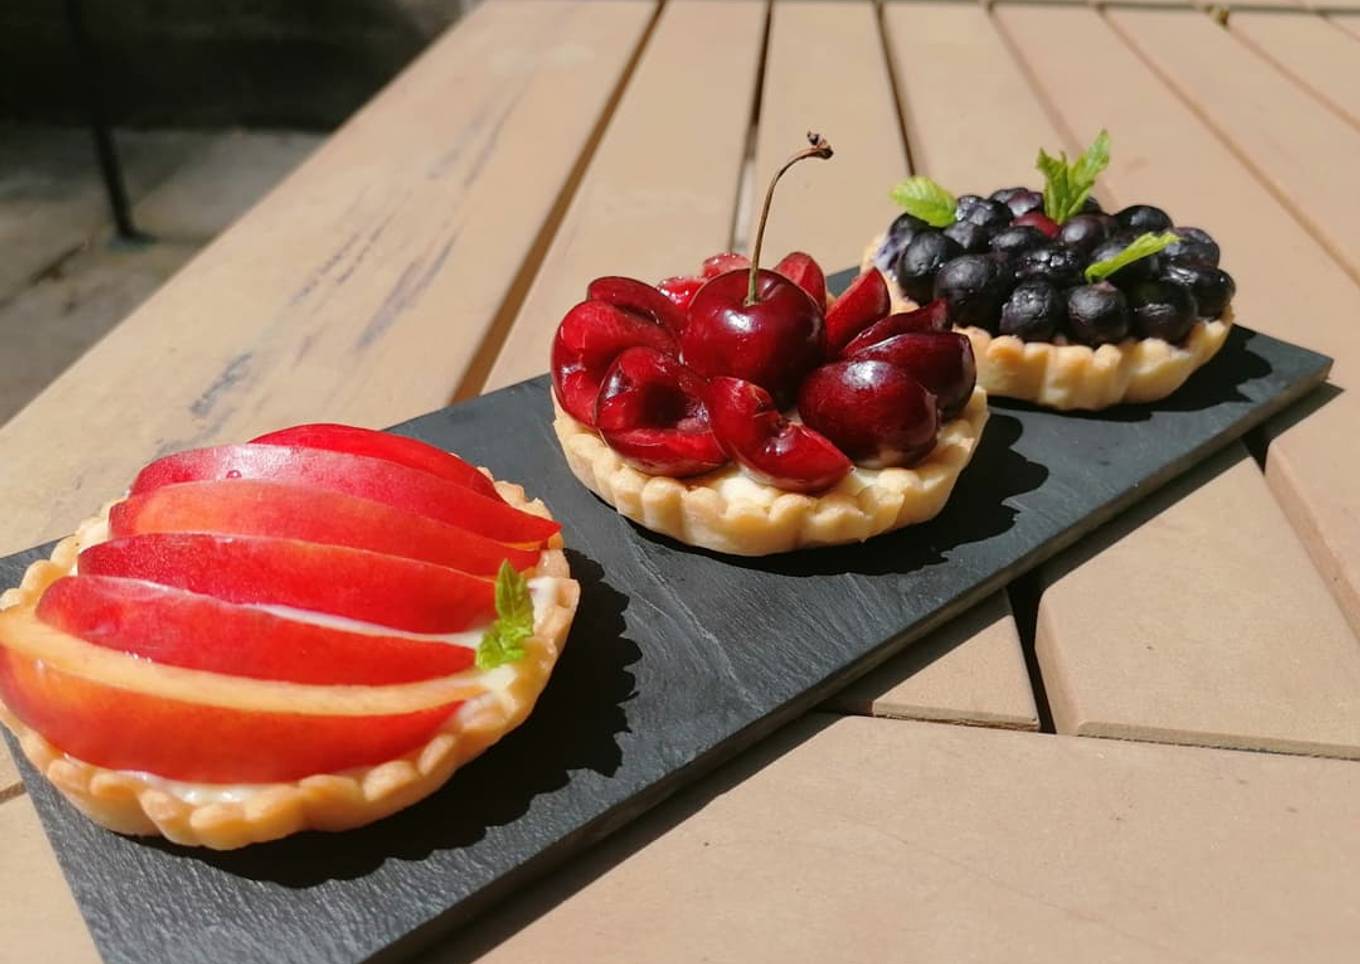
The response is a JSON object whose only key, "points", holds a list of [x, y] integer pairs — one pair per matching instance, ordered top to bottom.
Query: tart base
{"points": [[1071, 377], [727, 511], [224, 817]]}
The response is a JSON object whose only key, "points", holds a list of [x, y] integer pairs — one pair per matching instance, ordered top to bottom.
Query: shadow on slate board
{"points": [[678, 660]]}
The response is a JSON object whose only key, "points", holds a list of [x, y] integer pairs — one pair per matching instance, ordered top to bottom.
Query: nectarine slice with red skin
{"points": [[412, 453], [367, 478], [252, 508], [398, 593], [177, 628], [127, 730]]}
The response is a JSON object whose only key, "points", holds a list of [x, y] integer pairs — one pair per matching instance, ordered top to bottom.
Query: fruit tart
{"points": [[1066, 306], [730, 411], [309, 631]]}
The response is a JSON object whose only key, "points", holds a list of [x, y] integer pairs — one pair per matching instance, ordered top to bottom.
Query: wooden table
{"points": [[425, 254]]}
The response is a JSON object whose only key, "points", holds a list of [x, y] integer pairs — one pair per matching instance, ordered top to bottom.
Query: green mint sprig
{"points": [[1067, 186], [922, 198], [1143, 246], [503, 642]]}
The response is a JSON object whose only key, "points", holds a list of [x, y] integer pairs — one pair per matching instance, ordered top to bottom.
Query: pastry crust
{"points": [[1069, 377], [727, 511], [225, 817]]}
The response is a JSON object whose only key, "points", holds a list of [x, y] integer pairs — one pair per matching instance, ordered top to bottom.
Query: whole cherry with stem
{"points": [[754, 324]]}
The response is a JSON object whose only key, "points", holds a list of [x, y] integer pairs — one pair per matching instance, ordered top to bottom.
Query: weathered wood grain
{"points": [[1309, 50], [1300, 149], [1163, 153], [660, 192], [358, 290], [966, 845], [39, 920]]}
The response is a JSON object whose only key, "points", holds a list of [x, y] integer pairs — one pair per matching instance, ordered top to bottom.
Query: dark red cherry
{"points": [[1037, 219], [723, 263], [805, 273], [681, 290], [639, 298], [859, 306], [933, 317], [588, 340], [773, 342], [942, 361], [651, 411], [873, 411], [770, 447]]}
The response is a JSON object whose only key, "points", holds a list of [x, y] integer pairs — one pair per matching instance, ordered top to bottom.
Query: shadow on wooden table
{"points": [[574, 727]]}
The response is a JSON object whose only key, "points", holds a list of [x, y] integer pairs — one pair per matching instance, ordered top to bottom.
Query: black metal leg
{"points": [[105, 150]]}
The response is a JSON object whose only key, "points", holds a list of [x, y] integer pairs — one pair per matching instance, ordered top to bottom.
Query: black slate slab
{"points": [[678, 660]]}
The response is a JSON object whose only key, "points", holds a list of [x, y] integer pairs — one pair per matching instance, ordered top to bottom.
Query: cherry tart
{"points": [[1066, 306], [741, 412], [310, 631]]}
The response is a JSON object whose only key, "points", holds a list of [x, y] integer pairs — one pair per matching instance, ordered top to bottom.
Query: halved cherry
{"points": [[1037, 219], [722, 263], [803, 271], [680, 290], [639, 298], [859, 306], [932, 317], [588, 340], [942, 361], [651, 411], [874, 412], [772, 448], [409, 452], [356, 475], [247, 507], [403, 594], [178, 628]]}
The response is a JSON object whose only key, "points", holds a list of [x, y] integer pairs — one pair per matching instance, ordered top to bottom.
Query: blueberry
{"points": [[1005, 194], [1025, 202], [1091, 206], [988, 214], [1142, 218], [1082, 232], [900, 233], [972, 238], [1014, 241], [1194, 247], [923, 256], [1057, 264], [1144, 269], [973, 286], [1213, 288], [1162, 309], [1034, 312], [1097, 314]]}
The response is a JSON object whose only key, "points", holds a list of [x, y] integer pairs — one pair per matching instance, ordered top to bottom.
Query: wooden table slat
{"points": [[1349, 22], [1310, 50], [1299, 147], [1162, 153], [660, 192], [358, 290], [971, 670], [853, 840], [39, 919]]}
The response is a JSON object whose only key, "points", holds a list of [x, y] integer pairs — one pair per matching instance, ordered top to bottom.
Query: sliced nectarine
{"points": [[409, 452], [367, 478], [251, 508], [399, 593], [178, 628], [127, 730]]}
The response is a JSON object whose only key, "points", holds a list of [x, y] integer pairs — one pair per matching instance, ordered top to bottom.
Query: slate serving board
{"points": [[678, 660]]}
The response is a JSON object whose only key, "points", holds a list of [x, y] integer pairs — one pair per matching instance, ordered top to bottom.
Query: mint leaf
{"points": [[1068, 185], [922, 198], [1140, 247], [503, 641]]}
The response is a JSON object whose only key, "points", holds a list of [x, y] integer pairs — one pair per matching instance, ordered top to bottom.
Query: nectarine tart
{"points": [[1066, 306], [733, 411], [309, 631]]}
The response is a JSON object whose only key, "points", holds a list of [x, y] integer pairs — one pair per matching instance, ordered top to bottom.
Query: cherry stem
{"points": [[819, 147]]}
